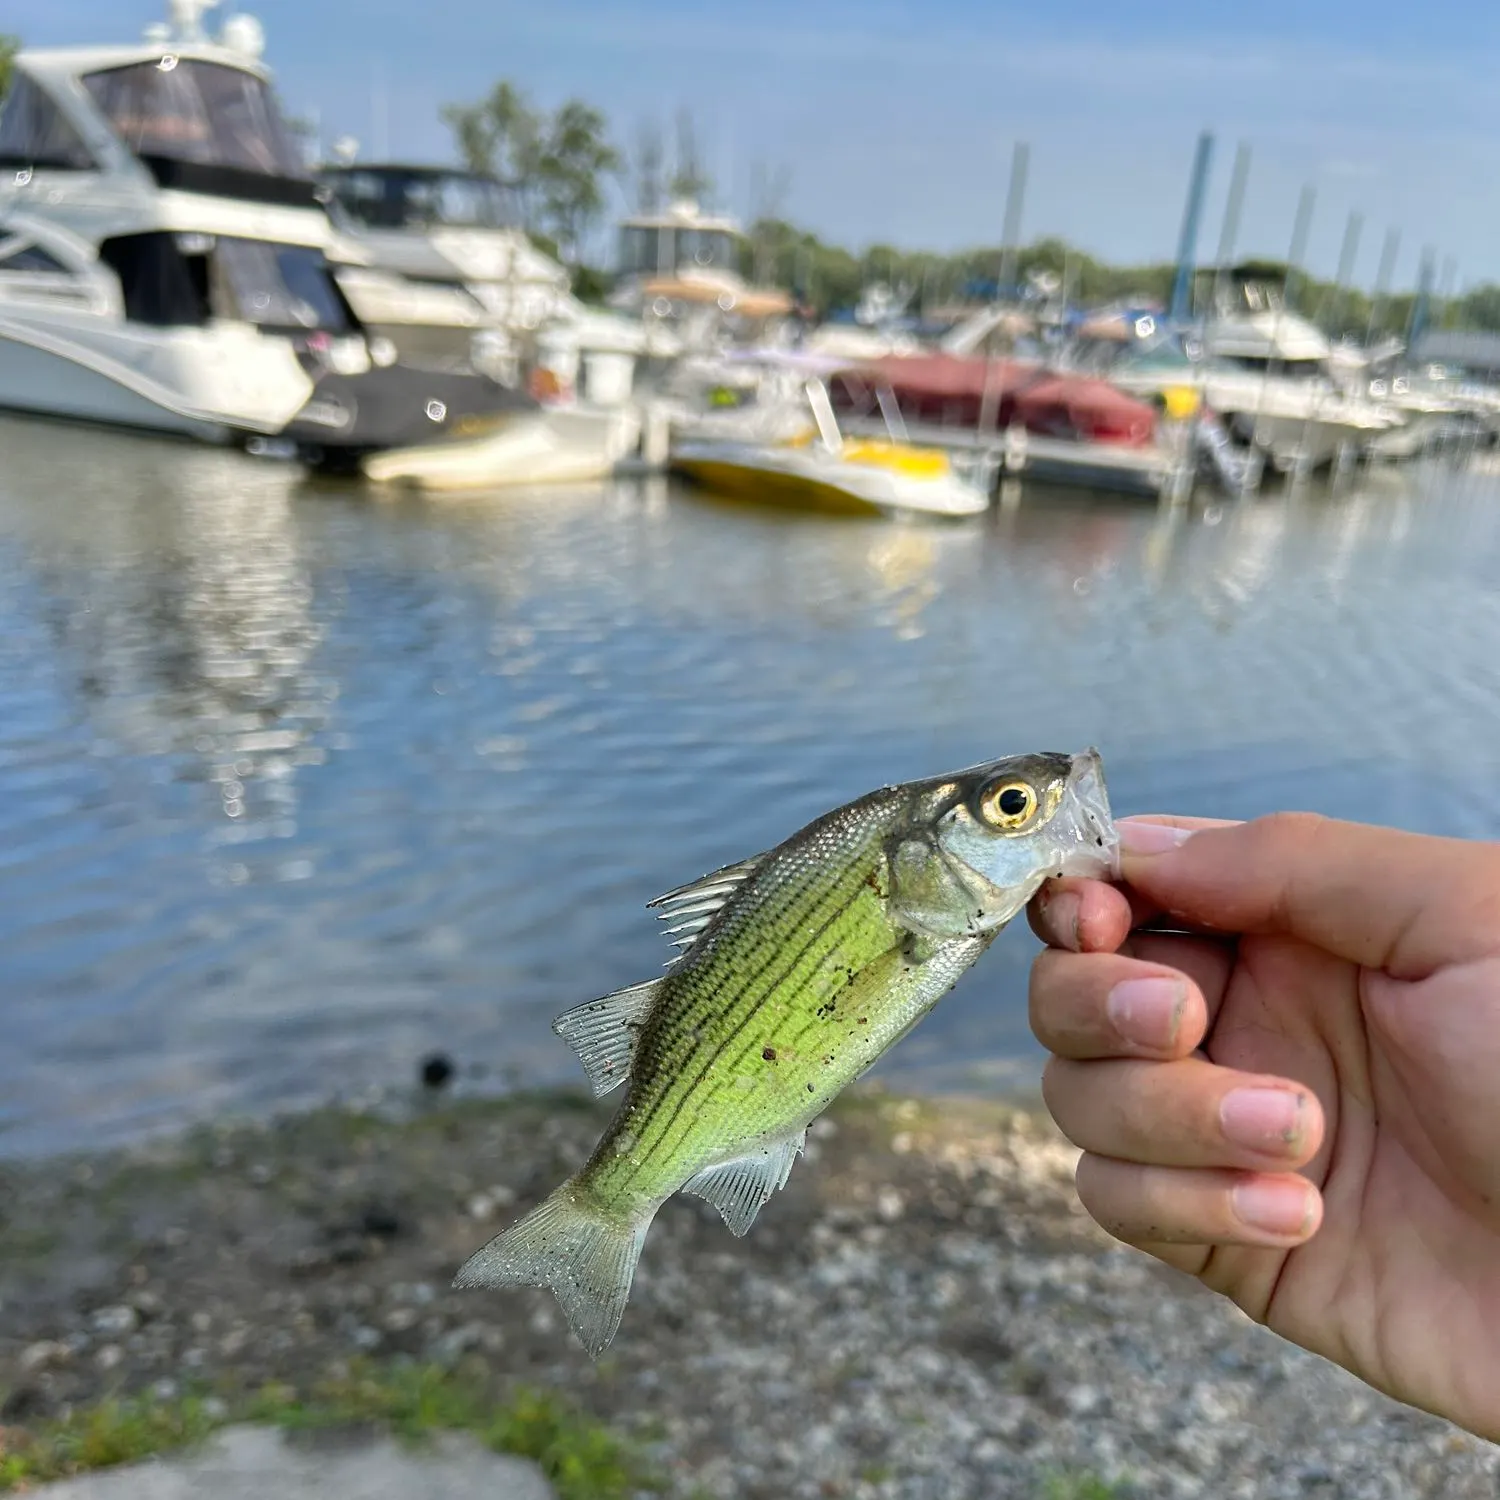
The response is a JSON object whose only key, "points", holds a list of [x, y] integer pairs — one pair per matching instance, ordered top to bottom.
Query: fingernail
{"points": [[1150, 838], [1063, 911], [1147, 1011], [1266, 1120], [1281, 1206]]}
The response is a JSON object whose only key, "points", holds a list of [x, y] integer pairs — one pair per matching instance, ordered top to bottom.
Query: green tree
{"points": [[9, 46], [503, 136], [575, 156], [1480, 308]]}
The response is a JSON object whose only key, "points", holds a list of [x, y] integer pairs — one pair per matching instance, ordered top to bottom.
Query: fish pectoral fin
{"points": [[926, 894], [690, 908], [604, 1032], [739, 1189]]}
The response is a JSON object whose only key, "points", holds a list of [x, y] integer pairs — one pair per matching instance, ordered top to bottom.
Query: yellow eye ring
{"points": [[1009, 805]]}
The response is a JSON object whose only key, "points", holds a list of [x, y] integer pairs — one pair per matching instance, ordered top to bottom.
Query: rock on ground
{"points": [[259, 1463]]}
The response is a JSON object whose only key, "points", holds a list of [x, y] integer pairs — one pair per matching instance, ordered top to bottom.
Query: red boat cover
{"points": [[956, 391]]}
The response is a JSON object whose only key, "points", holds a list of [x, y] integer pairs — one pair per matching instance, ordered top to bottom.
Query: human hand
{"points": [[1296, 1098]]}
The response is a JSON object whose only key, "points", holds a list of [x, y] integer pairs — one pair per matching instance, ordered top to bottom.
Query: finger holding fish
{"points": [[1086, 915], [1184, 1113]]}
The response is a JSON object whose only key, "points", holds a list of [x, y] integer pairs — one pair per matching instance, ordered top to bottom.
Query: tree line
{"points": [[9, 46], [559, 165]]}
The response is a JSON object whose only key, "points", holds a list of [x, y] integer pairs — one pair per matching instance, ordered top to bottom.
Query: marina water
{"points": [[297, 785]]}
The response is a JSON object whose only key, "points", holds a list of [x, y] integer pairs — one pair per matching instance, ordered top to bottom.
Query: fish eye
{"points": [[1008, 805]]}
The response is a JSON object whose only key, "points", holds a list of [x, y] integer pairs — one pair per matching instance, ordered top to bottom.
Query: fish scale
{"points": [[800, 969], [711, 1084]]}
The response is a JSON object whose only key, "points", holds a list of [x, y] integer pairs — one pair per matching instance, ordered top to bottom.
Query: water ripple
{"points": [[295, 785]]}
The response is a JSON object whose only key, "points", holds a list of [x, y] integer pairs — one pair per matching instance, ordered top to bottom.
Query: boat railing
{"points": [[822, 409], [890, 409]]}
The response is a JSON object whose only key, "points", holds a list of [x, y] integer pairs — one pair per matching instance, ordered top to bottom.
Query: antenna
{"points": [[187, 19], [1015, 199], [1187, 243]]}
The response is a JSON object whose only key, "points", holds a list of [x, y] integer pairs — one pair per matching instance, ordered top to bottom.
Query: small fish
{"points": [[800, 968]]}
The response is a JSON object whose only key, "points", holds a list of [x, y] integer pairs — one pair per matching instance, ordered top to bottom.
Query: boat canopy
{"points": [[195, 111], [387, 196], [659, 249]]}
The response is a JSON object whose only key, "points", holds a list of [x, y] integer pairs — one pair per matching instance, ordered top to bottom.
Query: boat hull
{"points": [[39, 382], [205, 384], [557, 446], [868, 479]]}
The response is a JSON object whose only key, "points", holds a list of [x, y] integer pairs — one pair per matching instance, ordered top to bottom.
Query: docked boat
{"points": [[164, 261], [444, 270], [677, 270], [1268, 372], [954, 393], [1299, 421], [553, 445], [820, 468]]}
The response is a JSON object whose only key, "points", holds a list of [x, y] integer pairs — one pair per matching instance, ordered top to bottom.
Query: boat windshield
{"points": [[206, 113], [35, 133], [391, 199], [649, 248]]}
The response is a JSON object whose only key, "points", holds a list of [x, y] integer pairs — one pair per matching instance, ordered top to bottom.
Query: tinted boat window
{"points": [[199, 112], [34, 132], [393, 198], [156, 281], [275, 286]]}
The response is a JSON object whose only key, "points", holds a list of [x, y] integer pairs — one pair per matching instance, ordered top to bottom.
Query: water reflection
{"points": [[179, 601], [296, 783]]}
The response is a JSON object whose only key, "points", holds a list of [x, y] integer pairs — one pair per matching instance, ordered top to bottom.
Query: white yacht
{"points": [[442, 226], [164, 260], [442, 268], [1268, 372]]}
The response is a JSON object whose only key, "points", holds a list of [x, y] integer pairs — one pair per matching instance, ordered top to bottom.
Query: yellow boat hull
{"points": [[864, 478], [770, 488]]}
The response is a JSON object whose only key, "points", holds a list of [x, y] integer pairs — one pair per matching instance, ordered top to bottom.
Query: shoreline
{"points": [[924, 1311]]}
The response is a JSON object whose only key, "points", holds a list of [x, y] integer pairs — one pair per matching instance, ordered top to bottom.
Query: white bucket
{"points": [[608, 377]]}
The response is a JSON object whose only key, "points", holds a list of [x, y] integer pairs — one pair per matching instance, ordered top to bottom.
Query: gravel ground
{"points": [[923, 1314]]}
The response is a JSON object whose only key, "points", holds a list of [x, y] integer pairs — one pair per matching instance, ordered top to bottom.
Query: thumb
{"points": [[1405, 902]]}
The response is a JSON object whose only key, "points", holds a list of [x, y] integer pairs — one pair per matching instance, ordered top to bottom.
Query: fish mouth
{"points": [[1091, 845]]}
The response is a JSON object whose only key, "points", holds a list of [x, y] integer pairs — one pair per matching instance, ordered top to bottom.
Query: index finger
{"points": [[1405, 902], [1094, 916]]}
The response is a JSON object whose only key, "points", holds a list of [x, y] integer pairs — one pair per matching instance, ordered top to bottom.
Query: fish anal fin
{"points": [[604, 1032], [739, 1189]]}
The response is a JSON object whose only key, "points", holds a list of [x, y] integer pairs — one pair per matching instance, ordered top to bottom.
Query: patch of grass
{"points": [[28, 1243], [114, 1432], [582, 1458], [1082, 1486]]}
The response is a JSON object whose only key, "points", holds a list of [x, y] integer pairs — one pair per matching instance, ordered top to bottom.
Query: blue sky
{"points": [[897, 120]]}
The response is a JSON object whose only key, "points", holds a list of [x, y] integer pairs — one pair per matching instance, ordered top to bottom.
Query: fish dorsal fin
{"points": [[690, 908], [603, 1033], [739, 1189]]}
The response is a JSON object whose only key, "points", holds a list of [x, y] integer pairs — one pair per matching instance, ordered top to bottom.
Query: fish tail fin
{"points": [[568, 1243]]}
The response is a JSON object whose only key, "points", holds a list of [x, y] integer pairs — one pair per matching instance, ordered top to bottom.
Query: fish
{"points": [[797, 970]]}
